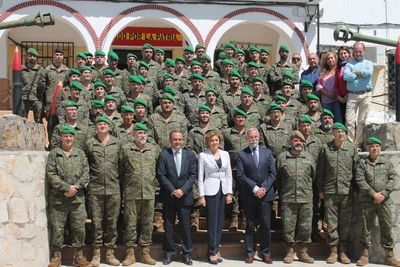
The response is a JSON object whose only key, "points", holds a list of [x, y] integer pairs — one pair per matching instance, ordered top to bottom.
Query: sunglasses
{"points": [[296, 59]]}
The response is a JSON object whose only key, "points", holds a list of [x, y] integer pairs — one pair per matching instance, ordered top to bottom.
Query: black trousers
{"points": [[170, 210], [258, 212], [215, 221]]}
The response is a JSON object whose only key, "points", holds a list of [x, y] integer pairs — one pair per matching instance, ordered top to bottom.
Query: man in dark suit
{"points": [[177, 171], [256, 174]]}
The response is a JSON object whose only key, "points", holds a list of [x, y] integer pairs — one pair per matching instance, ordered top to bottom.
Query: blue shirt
{"points": [[311, 75], [358, 84]]}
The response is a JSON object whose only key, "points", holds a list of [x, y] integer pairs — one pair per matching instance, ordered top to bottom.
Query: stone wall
{"points": [[23, 221]]}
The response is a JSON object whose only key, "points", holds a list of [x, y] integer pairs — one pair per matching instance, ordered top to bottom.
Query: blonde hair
{"points": [[324, 64], [210, 135]]}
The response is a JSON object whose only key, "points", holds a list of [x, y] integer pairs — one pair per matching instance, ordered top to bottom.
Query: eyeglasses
{"points": [[296, 59]]}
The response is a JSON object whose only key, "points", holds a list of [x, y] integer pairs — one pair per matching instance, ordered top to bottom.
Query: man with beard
{"points": [[199, 50], [254, 54], [147, 57], [159, 57], [241, 57], [89, 58], [80, 60], [99, 65], [264, 65], [212, 78], [32, 89], [194, 98], [230, 98], [314, 107], [254, 118], [219, 119], [324, 131], [296, 170]]}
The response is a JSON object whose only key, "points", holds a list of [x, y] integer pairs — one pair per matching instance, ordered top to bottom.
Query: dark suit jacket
{"points": [[250, 175], [168, 176]]}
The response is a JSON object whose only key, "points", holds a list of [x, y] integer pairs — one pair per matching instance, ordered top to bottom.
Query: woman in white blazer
{"points": [[215, 188]]}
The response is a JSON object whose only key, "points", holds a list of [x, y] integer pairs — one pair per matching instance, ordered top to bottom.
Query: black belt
{"points": [[359, 92]]}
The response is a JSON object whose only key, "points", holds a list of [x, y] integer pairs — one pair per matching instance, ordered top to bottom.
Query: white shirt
{"points": [[178, 160]]}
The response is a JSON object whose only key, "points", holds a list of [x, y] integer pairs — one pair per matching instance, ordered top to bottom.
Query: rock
{"points": [[387, 132], [19, 133], [6, 186], [18, 211], [3, 213], [13, 230]]}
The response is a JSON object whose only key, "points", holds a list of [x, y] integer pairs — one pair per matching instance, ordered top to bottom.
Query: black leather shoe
{"points": [[167, 261], [187, 261], [212, 261]]}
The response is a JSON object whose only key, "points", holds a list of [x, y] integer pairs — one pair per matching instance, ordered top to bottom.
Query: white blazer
{"points": [[210, 176]]}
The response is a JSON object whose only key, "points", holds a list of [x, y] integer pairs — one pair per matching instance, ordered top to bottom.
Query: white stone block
{"points": [[18, 210], [3, 213]]}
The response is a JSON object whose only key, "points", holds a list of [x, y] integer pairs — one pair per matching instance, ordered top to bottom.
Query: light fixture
{"points": [[311, 11]]}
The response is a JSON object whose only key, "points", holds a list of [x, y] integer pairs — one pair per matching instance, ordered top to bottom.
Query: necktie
{"points": [[255, 156], [177, 163]]}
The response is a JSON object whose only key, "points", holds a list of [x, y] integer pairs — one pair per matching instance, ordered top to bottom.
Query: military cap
{"points": [[229, 45], [147, 46], [199, 46], [284, 48], [188, 49], [254, 49], [58, 50], [159, 50], [264, 50], [32, 51], [240, 51], [88, 53], [99, 53], [81, 55], [129, 55], [222, 55], [113, 56], [206, 57], [179, 59], [170, 62], [195, 62], [227, 62], [143, 64], [253, 65], [85, 68], [74, 71], [108, 72], [235, 73], [288, 74], [169, 76], [197, 76], [142, 78], [135, 79], [257, 79], [287, 83], [306, 83], [99, 84], [77, 85], [168, 89], [211, 90], [246, 90], [169, 97], [312, 97], [110, 98], [280, 98], [140, 102], [70, 103], [97, 104], [275, 106], [204, 108], [127, 109], [239, 112], [327, 112], [305, 118], [102, 119], [340, 126], [141, 127], [67, 129], [297, 134], [374, 140]]}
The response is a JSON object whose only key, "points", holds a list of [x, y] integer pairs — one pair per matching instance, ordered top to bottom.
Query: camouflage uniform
{"points": [[97, 74], [276, 74], [212, 80], [119, 81], [32, 90], [118, 95], [229, 101], [192, 103], [83, 106], [218, 118], [254, 118], [162, 127], [81, 135], [124, 135], [325, 137], [277, 139]]}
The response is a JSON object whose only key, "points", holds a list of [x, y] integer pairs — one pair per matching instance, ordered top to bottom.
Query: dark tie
{"points": [[255, 156]]}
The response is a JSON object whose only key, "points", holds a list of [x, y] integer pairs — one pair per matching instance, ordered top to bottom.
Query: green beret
{"points": [[229, 45], [147, 46], [199, 46], [284, 48], [188, 49], [254, 49], [159, 50], [264, 50], [32, 51], [240, 51], [88, 53], [99, 53], [81, 55], [129, 55], [222, 55], [113, 56], [206, 57], [179, 59], [170, 62], [195, 62], [227, 62], [143, 64], [253, 65], [85, 68], [74, 71], [108, 72], [235, 73], [288, 74], [169, 76], [197, 76], [135, 79], [143, 79], [257, 79], [287, 83], [99, 84], [305, 84], [77, 85], [170, 90], [211, 90], [246, 90], [169, 97], [312, 97], [110, 98], [280, 98], [140, 102], [70, 103], [97, 104], [275, 106], [204, 108], [127, 109], [239, 112], [327, 112], [305, 118], [102, 119], [338, 125], [141, 127], [67, 129], [297, 134], [374, 140]]}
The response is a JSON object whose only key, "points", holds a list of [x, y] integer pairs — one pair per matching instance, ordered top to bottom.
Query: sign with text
{"points": [[138, 36]]}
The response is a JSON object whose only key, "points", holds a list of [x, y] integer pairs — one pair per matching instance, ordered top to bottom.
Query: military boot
{"points": [[194, 221], [158, 222], [234, 224], [289, 254], [342, 254], [303, 255], [333, 256], [96, 257], [130, 257], [110, 258], [146, 258], [56, 259], [79, 259], [390, 259], [363, 260]]}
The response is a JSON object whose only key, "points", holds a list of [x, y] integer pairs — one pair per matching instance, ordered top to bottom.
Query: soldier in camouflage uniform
{"points": [[229, 50], [199, 51], [254, 55], [188, 56], [147, 57], [159, 57], [241, 57], [89, 58], [80, 60], [99, 65], [264, 65], [227, 67], [131, 69], [180, 71], [119, 78], [212, 78], [149, 81], [185, 85], [88, 86], [306, 87], [32, 89], [111, 90], [135, 91], [230, 98], [194, 99], [262, 100], [292, 107], [314, 110], [111, 112], [140, 115], [254, 118], [219, 119], [124, 130], [324, 131], [102, 152], [67, 173], [295, 173], [376, 177], [335, 179], [138, 181]]}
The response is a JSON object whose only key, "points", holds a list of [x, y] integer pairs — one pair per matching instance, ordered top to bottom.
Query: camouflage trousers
{"points": [[37, 108], [233, 209], [105, 211], [338, 212], [368, 212], [138, 214], [59, 215], [296, 220]]}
